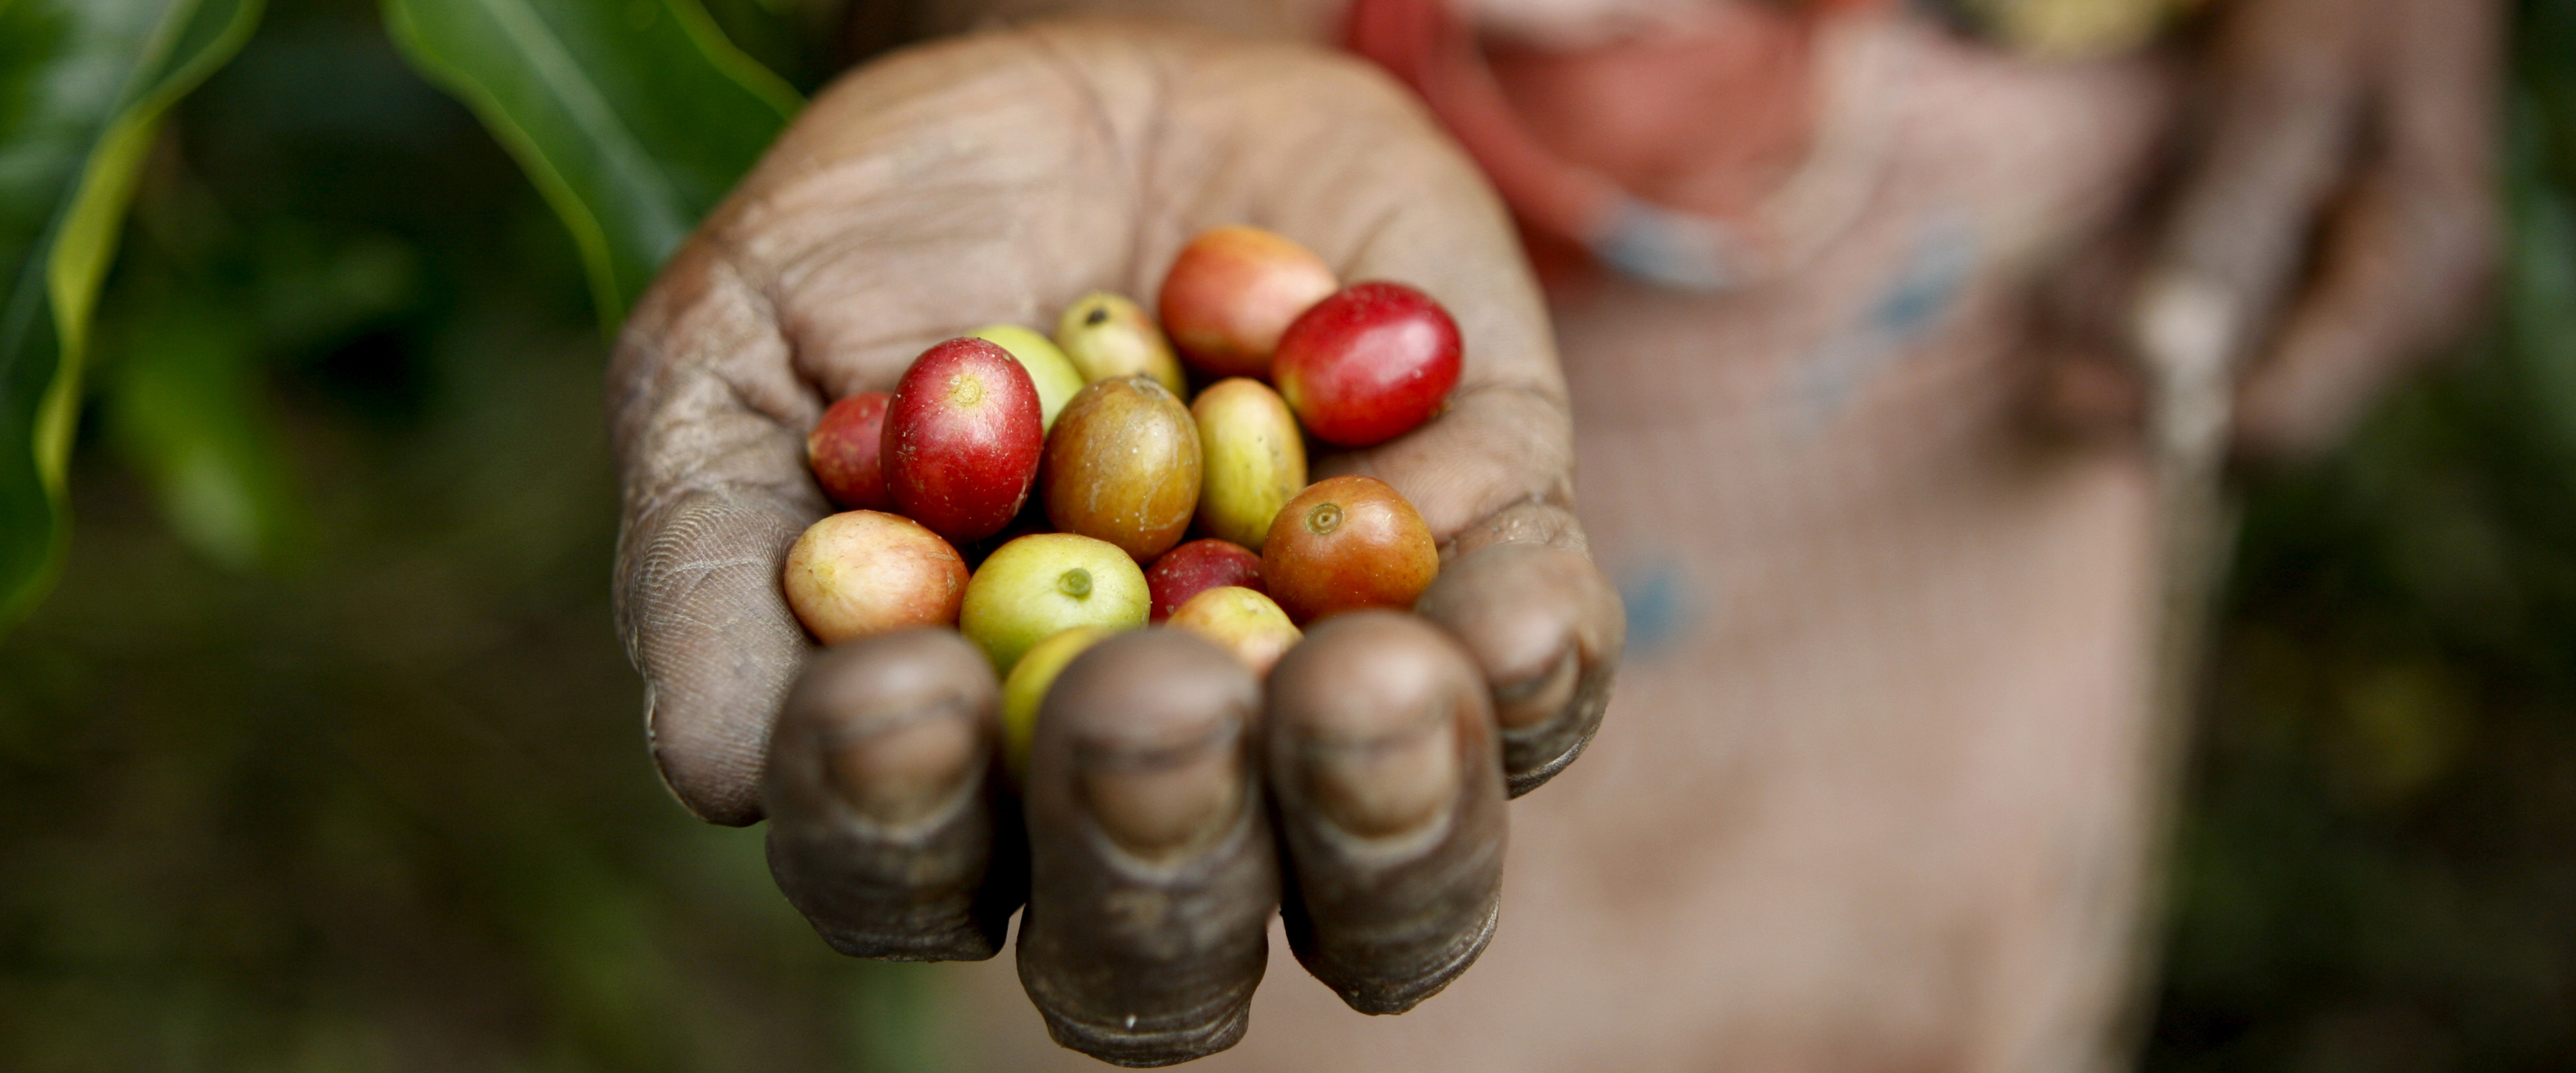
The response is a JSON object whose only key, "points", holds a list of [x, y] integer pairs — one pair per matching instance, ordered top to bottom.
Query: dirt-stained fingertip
{"points": [[1546, 630], [1382, 758], [889, 821], [1154, 872]]}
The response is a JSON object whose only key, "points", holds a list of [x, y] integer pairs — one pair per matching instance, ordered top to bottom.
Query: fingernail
{"points": [[1539, 697], [902, 768], [1388, 784], [1163, 800]]}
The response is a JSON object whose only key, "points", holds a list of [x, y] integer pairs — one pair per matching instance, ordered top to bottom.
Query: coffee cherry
{"points": [[1232, 291], [1106, 336], [1368, 364], [1049, 370], [962, 439], [844, 450], [1254, 459], [1123, 466], [1347, 543], [1197, 566], [864, 572], [1033, 587], [1245, 622], [1027, 685]]}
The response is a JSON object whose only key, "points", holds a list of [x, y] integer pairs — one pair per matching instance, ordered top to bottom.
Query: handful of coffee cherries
{"points": [[1094, 422]]}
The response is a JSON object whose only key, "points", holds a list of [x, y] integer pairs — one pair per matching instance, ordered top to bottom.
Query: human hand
{"points": [[996, 178], [2336, 221]]}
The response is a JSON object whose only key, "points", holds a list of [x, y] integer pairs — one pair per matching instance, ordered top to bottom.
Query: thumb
{"points": [[2404, 257], [707, 420]]}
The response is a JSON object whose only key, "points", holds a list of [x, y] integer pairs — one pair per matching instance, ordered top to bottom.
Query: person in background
{"points": [[1851, 298]]}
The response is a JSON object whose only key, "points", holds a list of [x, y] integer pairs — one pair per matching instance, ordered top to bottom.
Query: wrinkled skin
{"points": [[994, 179]]}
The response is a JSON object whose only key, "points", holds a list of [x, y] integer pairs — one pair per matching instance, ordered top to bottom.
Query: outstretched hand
{"points": [[994, 179]]}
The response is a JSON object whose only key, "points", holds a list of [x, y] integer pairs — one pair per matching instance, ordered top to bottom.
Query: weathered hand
{"points": [[996, 178], [2337, 221]]}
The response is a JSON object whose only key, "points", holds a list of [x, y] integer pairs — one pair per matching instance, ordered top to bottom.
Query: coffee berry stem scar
{"points": [[1346, 543], [1037, 585]]}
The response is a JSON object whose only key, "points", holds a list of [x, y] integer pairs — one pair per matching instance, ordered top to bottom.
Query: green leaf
{"points": [[83, 85], [632, 116], [188, 404]]}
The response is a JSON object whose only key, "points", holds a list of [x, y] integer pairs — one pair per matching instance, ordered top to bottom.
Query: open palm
{"points": [[995, 179]]}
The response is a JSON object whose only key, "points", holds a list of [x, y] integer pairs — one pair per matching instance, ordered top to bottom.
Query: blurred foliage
{"points": [[83, 85], [633, 117], [324, 756], [376, 801], [2377, 866]]}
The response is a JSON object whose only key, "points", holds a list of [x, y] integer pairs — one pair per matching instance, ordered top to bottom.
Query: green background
{"points": [[322, 755]]}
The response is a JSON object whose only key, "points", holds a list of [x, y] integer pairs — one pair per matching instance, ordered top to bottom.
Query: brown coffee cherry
{"points": [[1123, 466], [1347, 543]]}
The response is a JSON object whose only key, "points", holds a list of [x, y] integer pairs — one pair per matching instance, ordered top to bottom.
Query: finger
{"points": [[2282, 114], [2408, 250], [2398, 270], [708, 427], [1544, 629], [1382, 759], [888, 828], [1153, 876]]}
